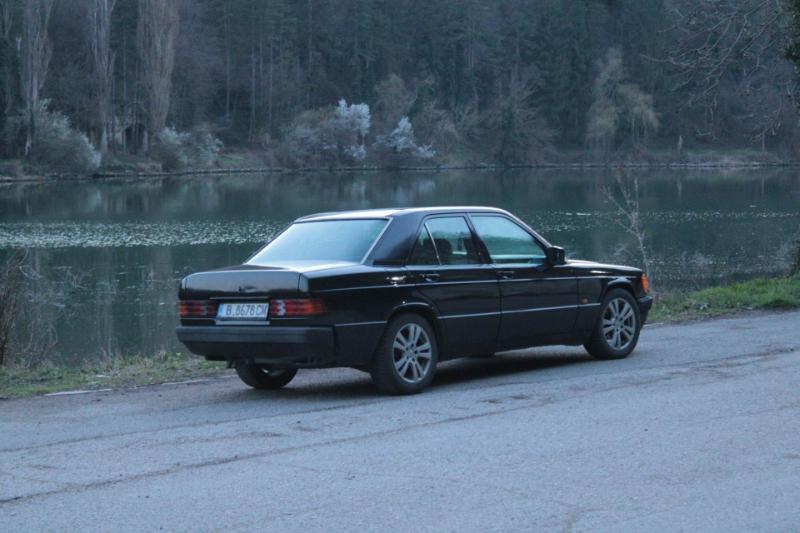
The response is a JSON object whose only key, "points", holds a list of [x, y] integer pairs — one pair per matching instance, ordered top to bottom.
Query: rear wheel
{"points": [[617, 330], [406, 357], [260, 377]]}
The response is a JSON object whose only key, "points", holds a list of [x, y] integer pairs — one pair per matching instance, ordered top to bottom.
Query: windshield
{"points": [[326, 240]]}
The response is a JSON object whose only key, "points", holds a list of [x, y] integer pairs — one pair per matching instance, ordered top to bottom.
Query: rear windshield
{"points": [[326, 240]]}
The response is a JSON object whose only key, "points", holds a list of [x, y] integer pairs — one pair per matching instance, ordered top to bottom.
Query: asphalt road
{"points": [[698, 430]]}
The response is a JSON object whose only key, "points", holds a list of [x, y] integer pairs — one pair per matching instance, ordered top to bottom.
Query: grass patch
{"points": [[760, 293], [118, 372], [16, 381]]}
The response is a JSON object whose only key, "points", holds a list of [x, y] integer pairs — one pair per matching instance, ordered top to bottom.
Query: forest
{"points": [[173, 84]]}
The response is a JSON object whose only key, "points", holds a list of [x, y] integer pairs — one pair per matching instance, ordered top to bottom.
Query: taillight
{"points": [[645, 284], [296, 307], [197, 308]]}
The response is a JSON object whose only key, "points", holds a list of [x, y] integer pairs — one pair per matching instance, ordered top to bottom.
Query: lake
{"points": [[105, 257]]}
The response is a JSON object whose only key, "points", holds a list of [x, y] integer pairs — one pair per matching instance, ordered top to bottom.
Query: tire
{"points": [[618, 326], [405, 359], [260, 377]]}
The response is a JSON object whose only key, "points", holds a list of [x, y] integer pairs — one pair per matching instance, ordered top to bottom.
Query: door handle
{"points": [[505, 274], [430, 276]]}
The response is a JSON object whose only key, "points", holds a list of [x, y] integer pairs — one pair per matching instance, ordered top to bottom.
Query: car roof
{"points": [[397, 212]]}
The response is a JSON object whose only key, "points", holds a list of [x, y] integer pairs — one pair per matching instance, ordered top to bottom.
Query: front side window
{"points": [[325, 240], [453, 241], [506, 242]]}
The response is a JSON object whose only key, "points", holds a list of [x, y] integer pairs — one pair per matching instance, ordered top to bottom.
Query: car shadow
{"points": [[504, 364], [348, 384]]}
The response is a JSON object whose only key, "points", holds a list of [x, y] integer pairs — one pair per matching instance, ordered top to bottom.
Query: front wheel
{"points": [[617, 330], [406, 357], [260, 377]]}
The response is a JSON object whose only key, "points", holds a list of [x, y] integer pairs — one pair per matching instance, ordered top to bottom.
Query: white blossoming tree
{"points": [[401, 146]]}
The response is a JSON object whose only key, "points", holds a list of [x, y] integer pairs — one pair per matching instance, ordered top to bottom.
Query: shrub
{"points": [[331, 135], [56, 145], [401, 146], [169, 149], [177, 150], [10, 168], [794, 267]]}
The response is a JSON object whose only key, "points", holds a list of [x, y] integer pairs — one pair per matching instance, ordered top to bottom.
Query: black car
{"points": [[395, 291]]}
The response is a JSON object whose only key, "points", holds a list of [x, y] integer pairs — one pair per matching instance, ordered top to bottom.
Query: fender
{"points": [[619, 282], [424, 308]]}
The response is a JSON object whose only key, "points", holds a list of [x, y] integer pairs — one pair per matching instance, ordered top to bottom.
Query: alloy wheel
{"points": [[619, 324], [412, 353]]}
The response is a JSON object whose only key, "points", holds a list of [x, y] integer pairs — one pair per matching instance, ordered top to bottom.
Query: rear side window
{"points": [[324, 240], [453, 241], [507, 242], [424, 253]]}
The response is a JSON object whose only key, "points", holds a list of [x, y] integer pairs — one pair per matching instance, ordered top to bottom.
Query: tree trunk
{"points": [[99, 30], [157, 32], [35, 58], [227, 62], [310, 66], [8, 87], [252, 94]]}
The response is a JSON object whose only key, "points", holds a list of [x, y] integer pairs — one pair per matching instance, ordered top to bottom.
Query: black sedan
{"points": [[396, 291]]}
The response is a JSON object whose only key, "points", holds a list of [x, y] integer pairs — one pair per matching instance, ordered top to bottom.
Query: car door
{"points": [[446, 267], [538, 300]]}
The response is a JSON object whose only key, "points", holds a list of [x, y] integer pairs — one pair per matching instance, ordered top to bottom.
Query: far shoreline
{"points": [[713, 162]]}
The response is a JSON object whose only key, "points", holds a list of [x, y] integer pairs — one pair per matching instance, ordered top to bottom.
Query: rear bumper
{"points": [[645, 303], [294, 347]]}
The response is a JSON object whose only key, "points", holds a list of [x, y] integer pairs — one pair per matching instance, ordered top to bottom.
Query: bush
{"points": [[332, 135], [56, 145], [400, 146], [169, 149], [178, 150], [10, 168]]}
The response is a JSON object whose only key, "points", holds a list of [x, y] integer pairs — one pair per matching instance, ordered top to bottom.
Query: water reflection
{"points": [[110, 253]]}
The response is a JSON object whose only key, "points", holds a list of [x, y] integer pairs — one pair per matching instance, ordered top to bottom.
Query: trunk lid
{"points": [[242, 281], [247, 281]]}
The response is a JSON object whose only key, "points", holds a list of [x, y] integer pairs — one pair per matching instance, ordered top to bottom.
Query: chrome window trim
{"points": [[301, 221], [378, 238], [475, 241], [433, 242], [540, 242], [414, 248]]}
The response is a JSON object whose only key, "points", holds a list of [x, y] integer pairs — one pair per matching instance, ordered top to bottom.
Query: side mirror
{"points": [[556, 255]]}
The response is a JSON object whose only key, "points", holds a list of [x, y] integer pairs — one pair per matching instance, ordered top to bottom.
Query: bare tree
{"points": [[6, 25], [99, 30], [157, 31], [727, 47], [34, 59], [625, 198], [10, 292]]}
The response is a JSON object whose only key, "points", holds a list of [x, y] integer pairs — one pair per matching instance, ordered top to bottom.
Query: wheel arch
{"points": [[619, 283], [426, 311]]}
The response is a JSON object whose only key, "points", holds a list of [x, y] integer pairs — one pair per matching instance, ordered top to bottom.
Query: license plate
{"points": [[243, 311]]}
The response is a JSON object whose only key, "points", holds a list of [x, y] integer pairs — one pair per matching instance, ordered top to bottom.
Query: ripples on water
{"points": [[125, 234]]}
